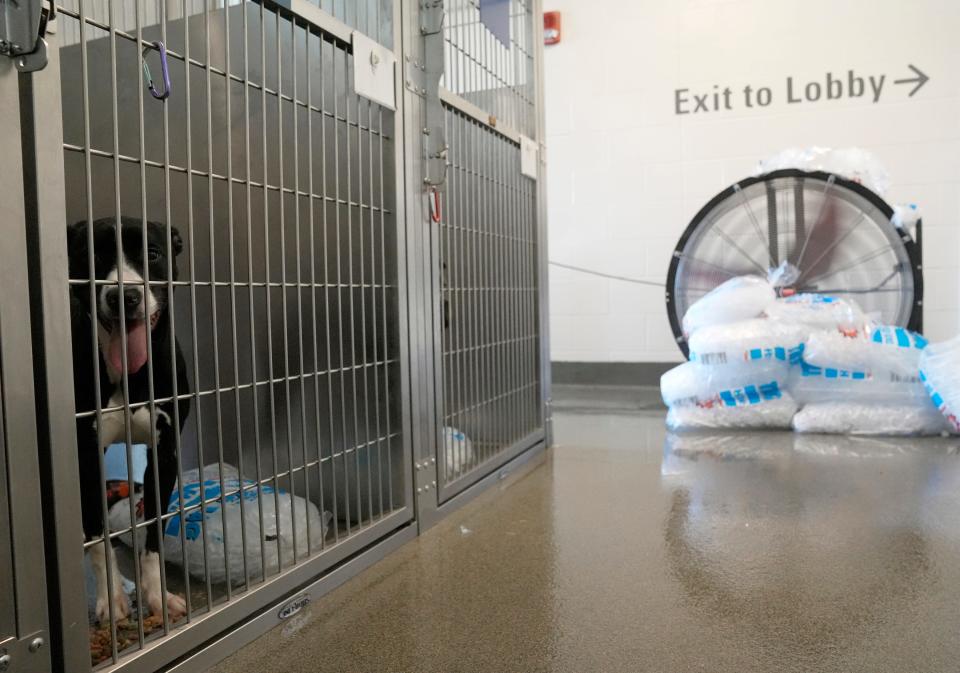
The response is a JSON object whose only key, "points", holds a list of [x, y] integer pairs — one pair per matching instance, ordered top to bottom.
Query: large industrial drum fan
{"points": [[830, 235]]}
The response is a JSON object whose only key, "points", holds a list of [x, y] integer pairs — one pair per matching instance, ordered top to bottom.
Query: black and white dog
{"points": [[97, 333]]}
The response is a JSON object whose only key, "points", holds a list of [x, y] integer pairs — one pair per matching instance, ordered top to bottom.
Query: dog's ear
{"points": [[76, 235], [177, 241], [77, 266]]}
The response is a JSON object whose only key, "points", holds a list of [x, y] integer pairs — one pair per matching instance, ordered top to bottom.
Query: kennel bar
{"points": [[286, 187]]}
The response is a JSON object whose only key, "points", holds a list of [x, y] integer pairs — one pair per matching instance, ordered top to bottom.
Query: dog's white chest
{"points": [[113, 427]]}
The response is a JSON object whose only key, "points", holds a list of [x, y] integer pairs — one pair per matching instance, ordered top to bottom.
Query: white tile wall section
{"points": [[627, 174], [578, 297]]}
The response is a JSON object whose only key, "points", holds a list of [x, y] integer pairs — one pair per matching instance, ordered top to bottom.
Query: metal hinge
{"points": [[23, 25], [414, 77], [434, 131], [435, 155]]}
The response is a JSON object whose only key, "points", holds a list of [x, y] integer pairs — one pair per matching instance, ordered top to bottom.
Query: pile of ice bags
{"points": [[811, 362]]}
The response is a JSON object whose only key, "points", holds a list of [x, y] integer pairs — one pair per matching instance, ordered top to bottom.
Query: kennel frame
{"points": [[24, 624], [210, 637]]}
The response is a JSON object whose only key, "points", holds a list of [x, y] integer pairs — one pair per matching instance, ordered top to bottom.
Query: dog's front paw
{"points": [[153, 592], [176, 606], [121, 609]]}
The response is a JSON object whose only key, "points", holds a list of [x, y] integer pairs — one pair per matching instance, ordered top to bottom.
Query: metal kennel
{"points": [[360, 303]]}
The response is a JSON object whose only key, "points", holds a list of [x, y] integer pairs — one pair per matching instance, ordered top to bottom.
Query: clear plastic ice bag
{"points": [[852, 163], [737, 299], [820, 312], [743, 345], [887, 348], [940, 372], [694, 384], [810, 384], [700, 397], [767, 414], [859, 418], [458, 450], [226, 547]]}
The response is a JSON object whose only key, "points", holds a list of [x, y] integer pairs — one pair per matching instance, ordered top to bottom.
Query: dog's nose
{"points": [[131, 300]]}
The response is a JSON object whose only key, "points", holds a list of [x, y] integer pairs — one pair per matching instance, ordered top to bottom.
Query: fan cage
{"points": [[911, 313]]}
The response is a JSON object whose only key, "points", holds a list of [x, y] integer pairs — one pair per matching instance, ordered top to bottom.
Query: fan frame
{"points": [[912, 248]]}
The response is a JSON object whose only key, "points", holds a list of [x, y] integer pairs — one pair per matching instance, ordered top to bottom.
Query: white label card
{"points": [[373, 71], [529, 157]]}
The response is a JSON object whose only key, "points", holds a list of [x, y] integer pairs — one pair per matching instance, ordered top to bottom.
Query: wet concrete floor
{"points": [[632, 550]]}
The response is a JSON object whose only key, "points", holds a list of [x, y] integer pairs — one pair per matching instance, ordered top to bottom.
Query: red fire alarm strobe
{"points": [[551, 27]]}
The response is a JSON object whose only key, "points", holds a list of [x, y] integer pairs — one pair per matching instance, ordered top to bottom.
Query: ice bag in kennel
{"points": [[225, 524]]}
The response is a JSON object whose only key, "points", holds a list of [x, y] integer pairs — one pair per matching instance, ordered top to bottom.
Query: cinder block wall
{"points": [[627, 173]]}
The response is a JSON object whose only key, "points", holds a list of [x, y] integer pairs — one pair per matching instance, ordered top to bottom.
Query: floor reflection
{"points": [[810, 545], [634, 550]]}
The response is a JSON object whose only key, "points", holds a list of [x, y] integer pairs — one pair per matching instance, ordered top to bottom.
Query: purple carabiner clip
{"points": [[159, 95]]}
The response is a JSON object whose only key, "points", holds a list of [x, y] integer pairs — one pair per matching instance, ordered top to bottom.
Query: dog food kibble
{"points": [[127, 636]]}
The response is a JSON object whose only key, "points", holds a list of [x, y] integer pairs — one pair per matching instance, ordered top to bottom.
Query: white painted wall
{"points": [[627, 174]]}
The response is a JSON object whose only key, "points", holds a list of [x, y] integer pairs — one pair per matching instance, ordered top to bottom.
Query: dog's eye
{"points": [[153, 254]]}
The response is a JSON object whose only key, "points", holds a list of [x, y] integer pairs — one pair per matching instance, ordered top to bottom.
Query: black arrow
{"points": [[920, 79]]}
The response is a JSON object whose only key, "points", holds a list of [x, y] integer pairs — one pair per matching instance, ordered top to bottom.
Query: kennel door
{"points": [[487, 245], [288, 302], [491, 408], [24, 639]]}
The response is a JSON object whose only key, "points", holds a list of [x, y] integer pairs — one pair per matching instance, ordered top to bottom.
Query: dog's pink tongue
{"points": [[136, 348]]}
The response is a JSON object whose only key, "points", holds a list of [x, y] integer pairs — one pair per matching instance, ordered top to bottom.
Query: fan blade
{"points": [[822, 245], [700, 273]]}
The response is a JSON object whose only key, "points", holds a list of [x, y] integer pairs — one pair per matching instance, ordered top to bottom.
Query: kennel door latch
{"points": [[23, 25]]}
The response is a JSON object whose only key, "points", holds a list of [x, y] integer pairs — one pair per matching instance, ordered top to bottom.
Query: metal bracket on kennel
{"points": [[431, 17], [23, 25], [413, 78], [18, 654]]}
